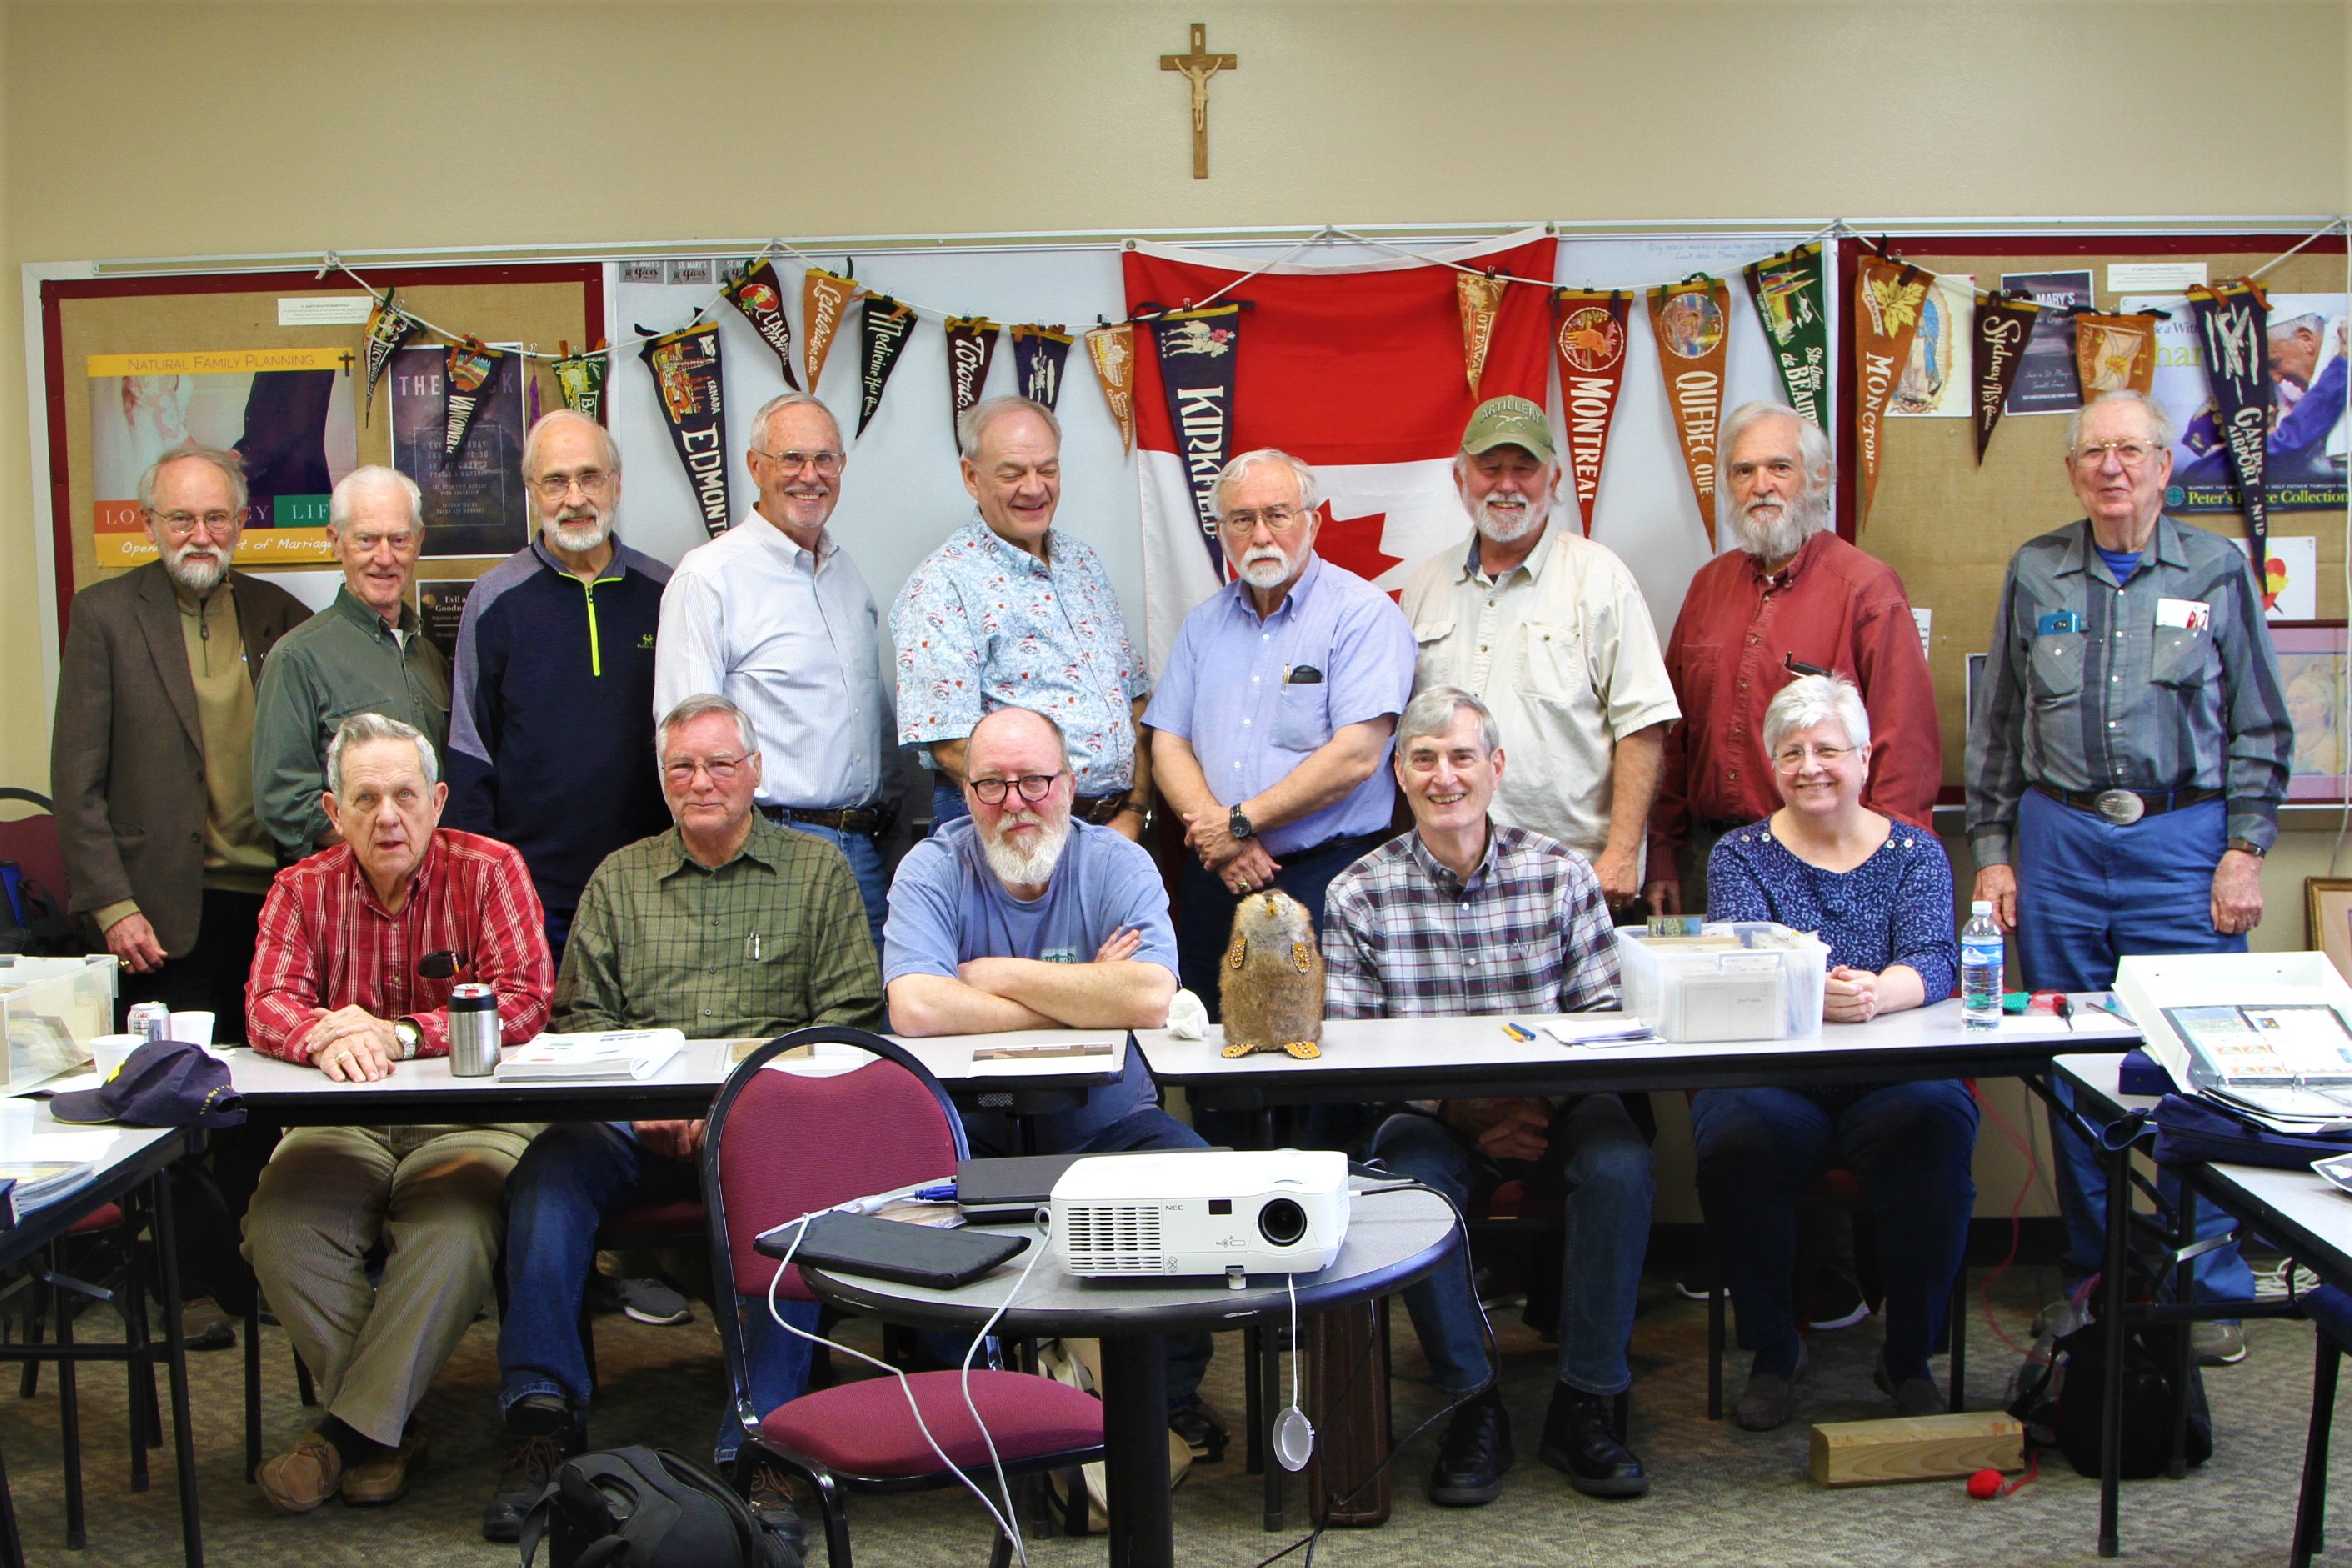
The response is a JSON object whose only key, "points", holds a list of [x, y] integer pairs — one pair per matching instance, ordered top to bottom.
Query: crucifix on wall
{"points": [[1197, 67]]}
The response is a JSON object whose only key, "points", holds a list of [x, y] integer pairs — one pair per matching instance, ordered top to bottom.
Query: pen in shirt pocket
{"points": [[751, 947]]}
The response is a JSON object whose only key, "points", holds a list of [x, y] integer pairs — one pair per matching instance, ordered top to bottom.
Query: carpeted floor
{"points": [[1720, 1495]]}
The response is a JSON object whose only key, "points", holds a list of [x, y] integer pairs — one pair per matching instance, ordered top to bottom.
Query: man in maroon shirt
{"points": [[1793, 599], [358, 950]]}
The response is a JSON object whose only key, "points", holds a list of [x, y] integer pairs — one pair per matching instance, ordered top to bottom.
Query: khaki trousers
{"points": [[434, 1197]]}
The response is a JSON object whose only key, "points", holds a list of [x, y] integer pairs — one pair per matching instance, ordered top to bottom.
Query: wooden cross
{"points": [[1197, 67]]}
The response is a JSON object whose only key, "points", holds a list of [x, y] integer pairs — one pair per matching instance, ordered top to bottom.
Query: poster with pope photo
{"points": [[2305, 463]]}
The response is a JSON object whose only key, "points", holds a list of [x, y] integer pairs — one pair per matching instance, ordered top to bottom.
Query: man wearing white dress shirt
{"points": [[774, 616]]}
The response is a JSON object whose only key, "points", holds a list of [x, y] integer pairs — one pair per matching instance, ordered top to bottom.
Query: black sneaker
{"points": [[644, 1300], [1202, 1432], [544, 1437], [1580, 1441], [1476, 1452], [771, 1503]]}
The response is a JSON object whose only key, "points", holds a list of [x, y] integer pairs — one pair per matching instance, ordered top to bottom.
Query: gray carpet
{"points": [[1720, 1495]]}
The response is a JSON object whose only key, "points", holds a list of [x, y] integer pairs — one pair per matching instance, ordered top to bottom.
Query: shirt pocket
{"points": [[1432, 643], [2183, 657], [1551, 664], [2057, 667], [1302, 715]]}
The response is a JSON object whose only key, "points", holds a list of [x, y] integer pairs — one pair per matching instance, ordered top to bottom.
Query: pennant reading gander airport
{"points": [[1786, 290], [757, 292], [1479, 296], [823, 298], [1887, 300], [1688, 319], [2233, 320], [883, 325], [388, 327], [1589, 336], [971, 344], [1111, 350], [1996, 352], [1198, 353], [2114, 353], [1039, 355], [685, 366], [473, 368], [579, 379]]}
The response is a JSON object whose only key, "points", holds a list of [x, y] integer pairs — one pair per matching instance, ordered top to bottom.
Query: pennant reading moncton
{"points": [[1786, 290], [760, 296], [824, 296], [1480, 296], [1887, 299], [1688, 319], [883, 325], [388, 327], [2233, 334], [1589, 336], [971, 344], [1111, 350], [1997, 351], [2114, 353], [1039, 354], [1198, 357], [473, 367], [685, 367], [579, 379]]}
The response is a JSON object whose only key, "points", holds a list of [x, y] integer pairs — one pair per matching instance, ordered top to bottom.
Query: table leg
{"points": [[2119, 1199], [2184, 1289], [176, 1348], [69, 1415], [1135, 1433], [2311, 1505], [11, 1544]]}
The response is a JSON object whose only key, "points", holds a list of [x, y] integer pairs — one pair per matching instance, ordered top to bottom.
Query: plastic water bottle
{"points": [[1980, 968]]}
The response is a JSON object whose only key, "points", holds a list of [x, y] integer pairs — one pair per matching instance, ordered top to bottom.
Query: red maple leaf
{"points": [[1354, 542]]}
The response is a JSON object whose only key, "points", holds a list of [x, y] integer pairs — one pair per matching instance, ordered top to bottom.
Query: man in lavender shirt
{"points": [[1273, 721]]}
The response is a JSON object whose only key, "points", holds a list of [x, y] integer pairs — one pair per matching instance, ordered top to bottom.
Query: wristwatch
{"points": [[1237, 823], [2247, 847], [410, 1037]]}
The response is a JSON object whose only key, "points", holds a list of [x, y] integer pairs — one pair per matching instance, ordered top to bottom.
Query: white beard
{"points": [[1801, 517], [1502, 527], [198, 577], [1015, 869]]}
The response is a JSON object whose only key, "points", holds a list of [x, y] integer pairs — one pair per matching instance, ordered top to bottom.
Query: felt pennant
{"points": [[1787, 293], [759, 294], [1888, 296], [824, 297], [1479, 297], [1688, 319], [2232, 320], [883, 325], [388, 327], [1589, 337], [971, 344], [1111, 350], [1199, 353], [1996, 353], [1039, 355], [685, 368], [473, 369], [579, 379]]}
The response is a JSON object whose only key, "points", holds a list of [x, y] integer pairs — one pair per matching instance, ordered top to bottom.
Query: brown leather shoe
{"points": [[384, 1477], [301, 1478]]}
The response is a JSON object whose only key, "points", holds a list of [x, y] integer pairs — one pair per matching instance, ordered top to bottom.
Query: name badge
{"points": [[2193, 614], [2057, 623]]}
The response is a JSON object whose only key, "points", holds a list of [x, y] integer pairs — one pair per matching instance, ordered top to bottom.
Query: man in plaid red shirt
{"points": [[358, 950]]}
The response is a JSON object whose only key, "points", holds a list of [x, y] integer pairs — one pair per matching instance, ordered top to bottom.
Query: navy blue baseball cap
{"points": [[164, 1083]]}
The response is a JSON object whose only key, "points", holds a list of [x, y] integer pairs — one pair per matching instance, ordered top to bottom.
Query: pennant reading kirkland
{"points": [[1786, 290], [758, 293], [824, 296], [1480, 297], [1887, 299], [1688, 319], [883, 325], [388, 327], [2233, 332], [1589, 336], [971, 344], [1111, 350], [1996, 351], [1198, 353], [2114, 353], [1039, 355], [685, 367], [473, 368], [579, 380]]}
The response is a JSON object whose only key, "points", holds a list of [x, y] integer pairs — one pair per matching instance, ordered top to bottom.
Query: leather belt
{"points": [[2123, 807], [1099, 809], [869, 821]]}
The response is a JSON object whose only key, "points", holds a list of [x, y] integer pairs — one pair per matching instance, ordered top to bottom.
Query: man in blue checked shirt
{"points": [[1463, 916]]}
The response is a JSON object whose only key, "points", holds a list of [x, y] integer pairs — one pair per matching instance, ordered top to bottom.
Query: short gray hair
{"points": [[782, 401], [973, 423], [2159, 425], [1812, 443], [612, 448], [231, 466], [374, 476], [1310, 492], [1816, 699], [688, 709], [1432, 710], [361, 728]]}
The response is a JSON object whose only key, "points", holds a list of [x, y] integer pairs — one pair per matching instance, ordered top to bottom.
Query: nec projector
{"points": [[1201, 1211]]}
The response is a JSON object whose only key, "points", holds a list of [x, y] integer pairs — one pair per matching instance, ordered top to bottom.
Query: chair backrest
{"points": [[31, 841]]}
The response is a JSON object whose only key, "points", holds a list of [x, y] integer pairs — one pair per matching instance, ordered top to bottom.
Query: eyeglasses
{"points": [[2094, 454], [824, 462], [554, 487], [1278, 520], [181, 524], [1790, 758], [722, 770], [1033, 786], [441, 965]]}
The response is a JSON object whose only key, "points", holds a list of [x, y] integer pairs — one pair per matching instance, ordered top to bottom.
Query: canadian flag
{"points": [[1356, 370]]}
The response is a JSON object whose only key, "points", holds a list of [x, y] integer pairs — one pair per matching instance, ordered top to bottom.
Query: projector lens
{"points": [[1281, 1221]]}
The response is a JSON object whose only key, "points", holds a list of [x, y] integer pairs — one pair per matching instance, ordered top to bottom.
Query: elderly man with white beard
{"points": [[1793, 599], [1550, 631], [552, 713]]}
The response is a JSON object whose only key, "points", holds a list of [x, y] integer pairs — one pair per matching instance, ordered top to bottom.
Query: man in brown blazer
{"points": [[150, 759]]}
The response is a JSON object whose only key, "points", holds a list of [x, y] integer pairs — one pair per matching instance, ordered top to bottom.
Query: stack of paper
{"points": [[1601, 1029], [609, 1054]]}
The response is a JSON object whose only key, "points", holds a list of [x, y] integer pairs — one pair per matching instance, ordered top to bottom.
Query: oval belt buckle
{"points": [[2122, 807]]}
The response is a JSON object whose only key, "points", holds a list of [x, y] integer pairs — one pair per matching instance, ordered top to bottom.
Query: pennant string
{"points": [[2338, 227]]}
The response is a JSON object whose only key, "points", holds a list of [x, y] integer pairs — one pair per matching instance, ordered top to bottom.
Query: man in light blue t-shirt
{"points": [[1018, 917]]}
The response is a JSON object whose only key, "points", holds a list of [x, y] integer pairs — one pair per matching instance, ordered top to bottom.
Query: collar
{"points": [[776, 539], [2164, 547], [1807, 554], [1011, 556], [1533, 565], [614, 569], [1299, 591], [189, 604], [354, 609], [765, 844], [1443, 874], [418, 880]]}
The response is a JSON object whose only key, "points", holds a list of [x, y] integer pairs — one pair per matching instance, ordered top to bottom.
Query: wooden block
{"points": [[738, 1049], [1915, 1448]]}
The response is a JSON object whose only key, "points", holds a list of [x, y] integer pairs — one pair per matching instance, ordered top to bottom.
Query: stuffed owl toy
{"points": [[1272, 982]]}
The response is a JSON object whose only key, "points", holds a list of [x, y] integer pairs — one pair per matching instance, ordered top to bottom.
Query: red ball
{"points": [[1985, 1484]]}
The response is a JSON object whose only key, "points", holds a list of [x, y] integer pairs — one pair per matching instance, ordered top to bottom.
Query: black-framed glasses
{"points": [[1033, 787], [441, 965]]}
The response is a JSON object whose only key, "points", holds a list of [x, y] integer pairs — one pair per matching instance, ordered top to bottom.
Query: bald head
{"points": [[1015, 730]]}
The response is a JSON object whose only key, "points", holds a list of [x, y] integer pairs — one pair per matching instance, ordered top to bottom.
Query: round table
{"points": [[1395, 1236]]}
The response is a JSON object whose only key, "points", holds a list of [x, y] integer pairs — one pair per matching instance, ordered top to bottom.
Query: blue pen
{"points": [[1519, 1032], [937, 1192]]}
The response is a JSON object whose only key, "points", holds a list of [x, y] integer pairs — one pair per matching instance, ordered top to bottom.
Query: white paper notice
{"points": [[2125, 277], [331, 310], [2291, 581], [1925, 619]]}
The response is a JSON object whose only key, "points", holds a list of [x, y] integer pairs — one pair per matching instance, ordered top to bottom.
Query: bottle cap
{"points": [[1982, 906]]}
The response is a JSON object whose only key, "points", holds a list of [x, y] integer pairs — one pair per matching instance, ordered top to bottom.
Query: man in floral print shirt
{"points": [[1013, 612]]}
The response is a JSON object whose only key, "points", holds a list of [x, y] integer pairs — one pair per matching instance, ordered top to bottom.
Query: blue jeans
{"points": [[865, 864], [2089, 892], [1911, 1143], [1605, 1163], [560, 1191]]}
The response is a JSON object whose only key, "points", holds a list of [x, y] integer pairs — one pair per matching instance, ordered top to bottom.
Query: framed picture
{"points": [[2311, 658], [2327, 903]]}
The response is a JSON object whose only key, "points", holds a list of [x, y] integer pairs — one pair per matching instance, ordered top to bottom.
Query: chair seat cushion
{"points": [[685, 1215], [104, 1217], [865, 1427]]}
